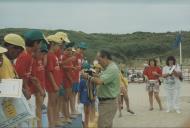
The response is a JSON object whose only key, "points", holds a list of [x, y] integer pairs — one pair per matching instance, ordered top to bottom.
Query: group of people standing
{"points": [[51, 65], [48, 66], [172, 77]]}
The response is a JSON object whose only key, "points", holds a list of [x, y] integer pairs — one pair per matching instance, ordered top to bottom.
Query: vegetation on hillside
{"points": [[124, 47]]}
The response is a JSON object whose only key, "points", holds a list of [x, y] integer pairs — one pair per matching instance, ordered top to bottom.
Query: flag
{"points": [[177, 41]]}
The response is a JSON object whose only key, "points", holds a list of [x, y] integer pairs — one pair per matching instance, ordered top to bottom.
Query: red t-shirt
{"points": [[58, 53], [77, 63], [23, 67], [54, 68], [38, 69], [67, 71], [148, 72]]}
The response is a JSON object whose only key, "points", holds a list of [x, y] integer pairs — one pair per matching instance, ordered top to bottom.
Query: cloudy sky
{"points": [[97, 16]]}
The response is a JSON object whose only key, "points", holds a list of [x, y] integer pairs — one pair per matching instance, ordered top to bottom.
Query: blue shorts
{"points": [[75, 87], [61, 91], [84, 98]]}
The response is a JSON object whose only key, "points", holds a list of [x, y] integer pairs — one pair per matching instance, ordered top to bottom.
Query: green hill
{"points": [[125, 47]]}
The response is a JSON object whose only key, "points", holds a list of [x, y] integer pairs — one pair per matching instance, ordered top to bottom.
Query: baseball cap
{"points": [[33, 35], [63, 36], [54, 38], [15, 39], [83, 45], [3, 50], [97, 66]]}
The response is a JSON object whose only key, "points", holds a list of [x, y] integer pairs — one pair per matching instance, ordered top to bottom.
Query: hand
{"points": [[73, 58], [74, 68], [77, 68], [174, 72], [155, 73], [177, 74], [84, 75], [146, 79], [56, 88], [26, 93], [42, 93]]}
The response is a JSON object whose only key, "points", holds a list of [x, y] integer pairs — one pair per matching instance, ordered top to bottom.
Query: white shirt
{"points": [[171, 82]]}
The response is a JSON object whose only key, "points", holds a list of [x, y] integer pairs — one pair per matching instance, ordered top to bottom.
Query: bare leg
{"points": [[150, 94], [156, 95], [122, 97], [126, 98], [39, 102], [72, 103], [51, 105], [119, 106], [63, 107], [56, 109], [86, 111], [92, 112], [67, 114]]}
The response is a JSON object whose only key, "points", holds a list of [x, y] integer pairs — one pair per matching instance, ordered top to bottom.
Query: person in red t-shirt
{"points": [[59, 53], [79, 58], [24, 62], [78, 65], [68, 68], [24, 69], [39, 71], [152, 74], [53, 80]]}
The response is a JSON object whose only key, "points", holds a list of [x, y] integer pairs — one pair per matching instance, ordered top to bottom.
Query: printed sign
{"points": [[11, 88], [13, 111]]}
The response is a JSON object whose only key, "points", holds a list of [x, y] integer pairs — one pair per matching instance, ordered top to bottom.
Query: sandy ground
{"points": [[144, 118]]}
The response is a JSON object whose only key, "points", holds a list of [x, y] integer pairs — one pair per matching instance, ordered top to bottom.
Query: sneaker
{"points": [[161, 108], [151, 109], [168, 110], [178, 111], [131, 112], [76, 113], [60, 115], [73, 116], [64, 120], [69, 120], [58, 123]]}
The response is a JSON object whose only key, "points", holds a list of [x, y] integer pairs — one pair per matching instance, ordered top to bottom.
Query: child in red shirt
{"points": [[77, 62], [24, 67], [68, 68], [39, 71], [53, 80]]}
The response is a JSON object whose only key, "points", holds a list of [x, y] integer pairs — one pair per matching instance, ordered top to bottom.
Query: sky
{"points": [[97, 16]]}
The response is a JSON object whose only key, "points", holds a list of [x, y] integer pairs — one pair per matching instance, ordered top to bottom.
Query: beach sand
{"points": [[144, 118]]}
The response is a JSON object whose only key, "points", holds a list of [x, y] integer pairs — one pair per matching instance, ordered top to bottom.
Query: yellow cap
{"points": [[63, 36], [54, 38], [15, 39], [3, 50], [97, 66]]}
